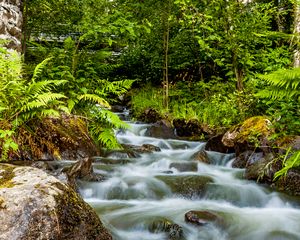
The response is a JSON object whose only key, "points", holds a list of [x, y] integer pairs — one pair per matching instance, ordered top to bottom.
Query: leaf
{"points": [[95, 99]]}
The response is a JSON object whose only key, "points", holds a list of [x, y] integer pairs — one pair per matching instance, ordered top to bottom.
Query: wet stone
{"points": [[201, 156], [185, 166], [188, 186], [201, 218]]}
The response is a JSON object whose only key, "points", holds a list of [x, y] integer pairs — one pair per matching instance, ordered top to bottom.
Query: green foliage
{"points": [[283, 83], [87, 93], [281, 97], [211, 106], [7, 143], [291, 160]]}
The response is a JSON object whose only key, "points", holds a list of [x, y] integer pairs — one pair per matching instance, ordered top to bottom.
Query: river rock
{"points": [[150, 115], [190, 128], [161, 129], [252, 134], [288, 142], [215, 144], [145, 148], [123, 153], [201, 156], [247, 158], [112, 161], [185, 166], [82, 169], [263, 169], [289, 183], [187, 185], [35, 205], [201, 218], [174, 231], [281, 235]]}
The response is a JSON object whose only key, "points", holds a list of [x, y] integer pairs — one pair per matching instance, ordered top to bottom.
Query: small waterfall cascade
{"points": [[165, 185]]}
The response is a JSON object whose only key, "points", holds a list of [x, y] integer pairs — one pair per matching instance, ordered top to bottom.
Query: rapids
{"points": [[135, 195]]}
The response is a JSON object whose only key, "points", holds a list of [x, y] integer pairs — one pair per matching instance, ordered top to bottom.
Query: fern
{"points": [[39, 69], [283, 83], [42, 86], [115, 87], [95, 99], [105, 136], [288, 163]]}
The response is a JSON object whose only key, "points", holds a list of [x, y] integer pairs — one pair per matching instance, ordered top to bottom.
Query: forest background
{"points": [[219, 62]]}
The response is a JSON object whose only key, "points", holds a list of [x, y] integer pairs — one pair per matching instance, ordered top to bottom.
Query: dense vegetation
{"points": [[216, 61]]}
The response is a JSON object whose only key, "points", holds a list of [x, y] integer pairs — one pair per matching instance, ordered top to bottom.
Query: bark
{"points": [[296, 34], [166, 38]]}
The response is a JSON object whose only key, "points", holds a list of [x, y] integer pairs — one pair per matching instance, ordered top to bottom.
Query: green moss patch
{"points": [[6, 176]]}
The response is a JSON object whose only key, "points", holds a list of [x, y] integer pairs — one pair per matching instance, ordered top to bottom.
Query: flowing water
{"points": [[141, 191]]}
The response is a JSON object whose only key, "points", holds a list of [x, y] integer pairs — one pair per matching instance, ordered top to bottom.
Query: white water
{"points": [[132, 197]]}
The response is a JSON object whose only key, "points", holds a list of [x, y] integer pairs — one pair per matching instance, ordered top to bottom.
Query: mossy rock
{"points": [[252, 134], [65, 137], [6, 176], [290, 183], [187, 185], [39, 206], [174, 231]]}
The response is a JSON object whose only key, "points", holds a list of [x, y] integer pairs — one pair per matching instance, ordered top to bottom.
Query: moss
{"points": [[253, 128], [6, 176], [2, 203], [77, 220]]}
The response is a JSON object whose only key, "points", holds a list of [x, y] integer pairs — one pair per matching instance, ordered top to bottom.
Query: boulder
{"points": [[11, 23], [150, 115], [190, 128], [161, 129], [252, 134], [66, 137], [292, 142], [215, 144], [145, 148], [123, 153], [201, 156], [247, 158], [185, 166], [82, 169], [263, 169], [289, 183], [186, 185], [35, 205], [201, 218], [174, 231]]}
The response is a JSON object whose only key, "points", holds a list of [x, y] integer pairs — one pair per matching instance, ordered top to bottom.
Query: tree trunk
{"points": [[11, 20], [297, 33], [166, 38]]}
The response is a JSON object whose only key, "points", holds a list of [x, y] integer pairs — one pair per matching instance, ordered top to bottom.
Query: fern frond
{"points": [[39, 69], [283, 83], [42, 86], [48, 97], [94, 99], [32, 105], [49, 113], [112, 119], [105, 136], [288, 163]]}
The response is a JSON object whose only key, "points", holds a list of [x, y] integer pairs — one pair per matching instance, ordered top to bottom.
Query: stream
{"points": [[141, 194]]}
